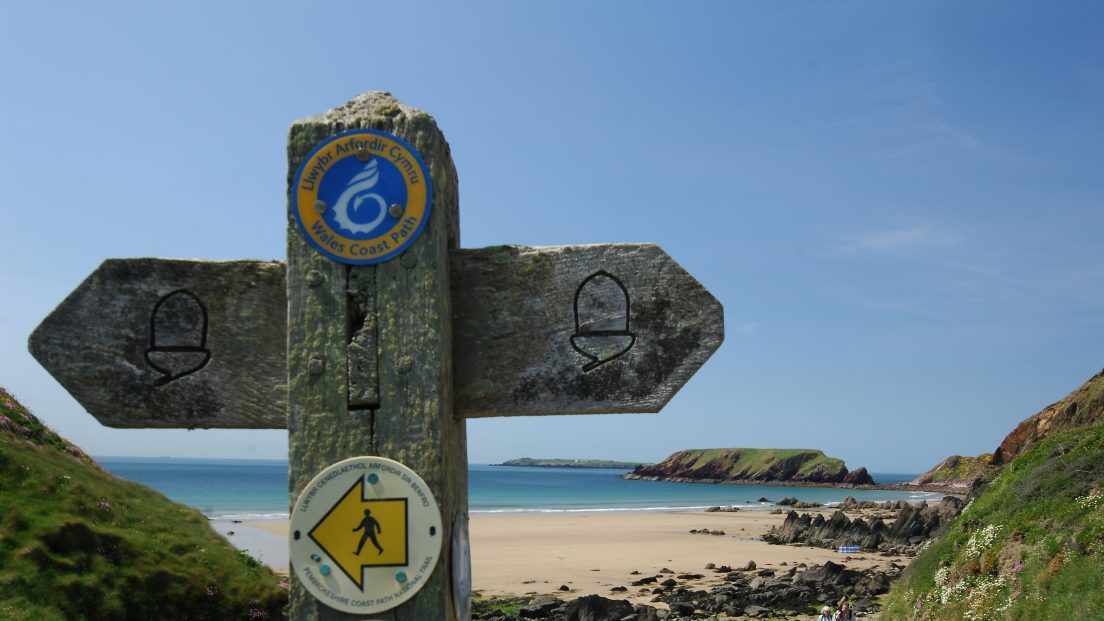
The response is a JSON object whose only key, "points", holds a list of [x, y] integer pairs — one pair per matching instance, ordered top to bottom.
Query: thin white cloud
{"points": [[907, 115], [896, 241], [919, 306], [747, 328]]}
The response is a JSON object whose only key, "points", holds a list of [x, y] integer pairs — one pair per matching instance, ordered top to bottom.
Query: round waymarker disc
{"points": [[362, 196], [365, 535]]}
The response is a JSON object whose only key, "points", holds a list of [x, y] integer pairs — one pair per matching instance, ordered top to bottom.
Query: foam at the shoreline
{"points": [[248, 517]]}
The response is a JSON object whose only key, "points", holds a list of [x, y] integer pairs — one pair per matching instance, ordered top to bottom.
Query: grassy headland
{"points": [[752, 464], [77, 543], [1030, 547]]}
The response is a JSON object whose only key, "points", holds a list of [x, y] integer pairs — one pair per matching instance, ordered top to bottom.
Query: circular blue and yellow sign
{"points": [[362, 196]]}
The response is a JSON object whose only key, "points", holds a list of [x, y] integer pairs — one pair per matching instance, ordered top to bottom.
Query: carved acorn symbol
{"points": [[601, 320], [178, 336]]}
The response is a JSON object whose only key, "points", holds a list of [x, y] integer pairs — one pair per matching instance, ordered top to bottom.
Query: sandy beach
{"points": [[518, 554]]}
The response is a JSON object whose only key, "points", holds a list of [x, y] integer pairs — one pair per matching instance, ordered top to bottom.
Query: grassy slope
{"points": [[748, 462], [959, 469], [77, 543], [1029, 548]]}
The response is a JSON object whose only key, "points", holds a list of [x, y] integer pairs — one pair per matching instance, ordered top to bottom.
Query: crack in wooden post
{"points": [[363, 340]]}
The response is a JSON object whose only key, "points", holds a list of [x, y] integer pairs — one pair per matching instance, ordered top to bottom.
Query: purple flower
{"points": [[6, 422]]}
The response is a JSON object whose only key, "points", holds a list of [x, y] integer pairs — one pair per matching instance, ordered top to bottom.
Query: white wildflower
{"points": [[1092, 501], [981, 540], [984, 602]]}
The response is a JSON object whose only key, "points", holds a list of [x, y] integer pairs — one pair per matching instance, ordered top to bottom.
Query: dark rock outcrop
{"points": [[858, 477], [913, 525], [597, 608]]}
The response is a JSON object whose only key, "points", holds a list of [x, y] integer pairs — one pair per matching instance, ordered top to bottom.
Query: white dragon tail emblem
{"points": [[354, 197]]}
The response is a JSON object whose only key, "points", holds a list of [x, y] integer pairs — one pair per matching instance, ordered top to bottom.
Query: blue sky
{"points": [[898, 204]]}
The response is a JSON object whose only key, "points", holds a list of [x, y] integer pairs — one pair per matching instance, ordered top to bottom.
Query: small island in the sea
{"points": [[572, 463], [752, 466]]}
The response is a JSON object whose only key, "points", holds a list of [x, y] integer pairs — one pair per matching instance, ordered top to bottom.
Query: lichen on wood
{"points": [[406, 303]]}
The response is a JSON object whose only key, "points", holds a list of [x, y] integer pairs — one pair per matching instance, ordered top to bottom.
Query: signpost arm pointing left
{"points": [[351, 392]]}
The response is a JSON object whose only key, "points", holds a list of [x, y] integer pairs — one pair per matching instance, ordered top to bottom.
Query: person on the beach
{"points": [[371, 526], [844, 613], [825, 614]]}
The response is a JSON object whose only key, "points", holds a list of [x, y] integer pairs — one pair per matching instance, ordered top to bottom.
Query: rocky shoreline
{"points": [[952, 490], [909, 529], [891, 531], [748, 592]]}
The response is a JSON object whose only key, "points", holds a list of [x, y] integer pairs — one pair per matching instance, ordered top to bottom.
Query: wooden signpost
{"points": [[516, 341], [383, 358]]}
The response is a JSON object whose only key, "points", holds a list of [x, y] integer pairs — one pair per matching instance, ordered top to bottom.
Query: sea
{"points": [[251, 490]]}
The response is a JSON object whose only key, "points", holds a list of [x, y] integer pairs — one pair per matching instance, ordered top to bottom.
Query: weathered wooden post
{"points": [[377, 307], [370, 348]]}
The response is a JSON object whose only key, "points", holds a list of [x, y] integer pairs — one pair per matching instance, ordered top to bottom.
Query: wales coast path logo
{"points": [[362, 196]]}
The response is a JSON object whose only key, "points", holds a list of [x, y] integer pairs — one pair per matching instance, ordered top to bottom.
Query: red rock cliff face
{"points": [[1082, 408]]}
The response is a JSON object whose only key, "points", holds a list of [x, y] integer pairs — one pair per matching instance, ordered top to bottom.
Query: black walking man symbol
{"points": [[371, 526]]}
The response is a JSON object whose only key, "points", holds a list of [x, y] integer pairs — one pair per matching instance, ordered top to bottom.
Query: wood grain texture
{"points": [[409, 306], [531, 321], [516, 337], [107, 340]]}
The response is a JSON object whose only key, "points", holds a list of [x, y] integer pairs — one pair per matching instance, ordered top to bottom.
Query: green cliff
{"points": [[735, 465], [959, 471], [77, 543], [1030, 546]]}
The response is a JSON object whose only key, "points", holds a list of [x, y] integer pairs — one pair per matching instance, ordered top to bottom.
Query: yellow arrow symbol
{"points": [[359, 532]]}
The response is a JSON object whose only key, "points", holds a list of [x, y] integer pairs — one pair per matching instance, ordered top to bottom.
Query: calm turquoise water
{"points": [[218, 487], [257, 489]]}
